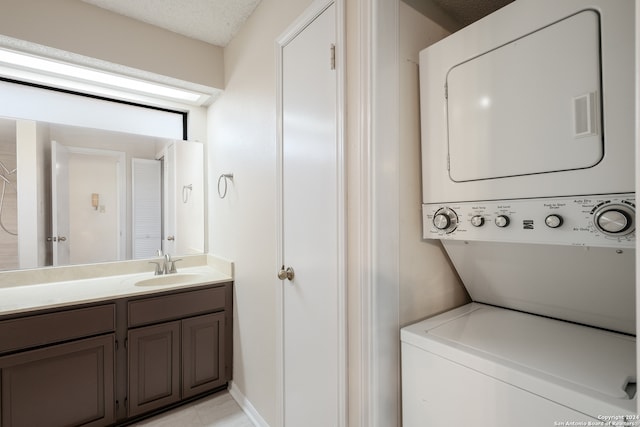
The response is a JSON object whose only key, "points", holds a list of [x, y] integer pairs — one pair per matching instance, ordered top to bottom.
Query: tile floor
{"points": [[218, 410]]}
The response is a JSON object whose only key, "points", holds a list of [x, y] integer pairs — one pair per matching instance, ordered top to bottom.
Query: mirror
{"points": [[72, 195]]}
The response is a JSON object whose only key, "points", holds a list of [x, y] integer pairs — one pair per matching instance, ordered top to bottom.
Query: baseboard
{"points": [[246, 406]]}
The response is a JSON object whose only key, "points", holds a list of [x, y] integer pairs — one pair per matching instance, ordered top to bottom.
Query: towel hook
{"points": [[224, 178]]}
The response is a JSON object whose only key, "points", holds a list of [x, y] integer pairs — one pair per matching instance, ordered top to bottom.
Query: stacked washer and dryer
{"points": [[528, 181]]}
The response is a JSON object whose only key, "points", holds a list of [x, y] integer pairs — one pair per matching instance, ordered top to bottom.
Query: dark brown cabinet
{"points": [[203, 349], [176, 359], [154, 362], [69, 367], [47, 381]]}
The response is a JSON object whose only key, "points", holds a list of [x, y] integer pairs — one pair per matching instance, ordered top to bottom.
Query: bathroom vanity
{"points": [[103, 361]]}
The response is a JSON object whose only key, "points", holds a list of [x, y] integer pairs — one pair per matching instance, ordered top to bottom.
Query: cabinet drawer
{"points": [[169, 307], [32, 331], [69, 384]]}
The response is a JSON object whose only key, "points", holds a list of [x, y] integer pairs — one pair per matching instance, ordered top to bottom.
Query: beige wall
{"points": [[84, 29], [242, 137], [428, 282]]}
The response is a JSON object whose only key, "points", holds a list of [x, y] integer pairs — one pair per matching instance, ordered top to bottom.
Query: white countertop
{"points": [[44, 294]]}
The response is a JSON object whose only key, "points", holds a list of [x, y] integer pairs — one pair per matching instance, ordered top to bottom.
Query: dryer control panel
{"points": [[596, 220]]}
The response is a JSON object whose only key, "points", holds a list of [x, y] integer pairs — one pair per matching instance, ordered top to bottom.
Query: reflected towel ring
{"points": [[223, 178], [186, 190]]}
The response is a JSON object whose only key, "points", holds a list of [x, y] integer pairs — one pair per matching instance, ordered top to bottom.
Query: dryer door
{"points": [[530, 106]]}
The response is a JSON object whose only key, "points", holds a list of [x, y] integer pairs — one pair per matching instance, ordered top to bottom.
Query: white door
{"points": [[60, 203], [147, 208], [312, 348]]}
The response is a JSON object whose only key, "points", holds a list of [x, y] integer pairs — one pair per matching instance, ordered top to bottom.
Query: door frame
{"points": [[304, 20]]}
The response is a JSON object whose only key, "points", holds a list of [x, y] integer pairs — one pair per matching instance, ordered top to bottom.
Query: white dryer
{"points": [[528, 181]]}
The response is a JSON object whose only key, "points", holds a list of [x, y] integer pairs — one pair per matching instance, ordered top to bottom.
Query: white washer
{"points": [[480, 365]]}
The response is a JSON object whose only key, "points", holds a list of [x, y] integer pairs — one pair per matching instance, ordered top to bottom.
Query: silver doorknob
{"points": [[171, 238], [62, 239], [286, 274]]}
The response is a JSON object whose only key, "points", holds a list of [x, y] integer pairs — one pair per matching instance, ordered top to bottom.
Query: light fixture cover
{"points": [[45, 66]]}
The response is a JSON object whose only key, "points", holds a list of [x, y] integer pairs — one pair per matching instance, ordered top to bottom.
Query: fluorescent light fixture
{"points": [[100, 78]]}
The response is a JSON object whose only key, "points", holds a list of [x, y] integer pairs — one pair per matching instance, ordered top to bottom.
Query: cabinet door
{"points": [[203, 354], [154, 367], [62, 385]]}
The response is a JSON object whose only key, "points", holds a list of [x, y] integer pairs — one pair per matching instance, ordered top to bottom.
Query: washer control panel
{"points": [[597, 220]]}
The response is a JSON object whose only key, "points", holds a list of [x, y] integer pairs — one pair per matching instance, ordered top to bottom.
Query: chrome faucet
{"points": [[170, 264], [166, 267]]}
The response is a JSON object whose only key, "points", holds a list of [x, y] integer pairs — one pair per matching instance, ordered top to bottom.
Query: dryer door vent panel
{"points": [[530, 106]]}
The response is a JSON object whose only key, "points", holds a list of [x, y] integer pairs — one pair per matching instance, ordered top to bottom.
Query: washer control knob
{"points": [[445, 219], [615, 220], [441, 221], [477, 221], [502, 221], [553, 221]]}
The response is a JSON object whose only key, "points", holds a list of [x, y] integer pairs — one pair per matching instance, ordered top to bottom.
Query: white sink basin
{"points": [[172, 279]]}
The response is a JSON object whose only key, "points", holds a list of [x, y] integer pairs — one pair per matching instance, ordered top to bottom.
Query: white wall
{"points": [[81, 28], [242, 137], [29, 138], [189, 203], [389, 265], [428, 282]]}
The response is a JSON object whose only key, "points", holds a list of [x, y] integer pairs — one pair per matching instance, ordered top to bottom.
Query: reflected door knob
{"points": [[286, 274]]}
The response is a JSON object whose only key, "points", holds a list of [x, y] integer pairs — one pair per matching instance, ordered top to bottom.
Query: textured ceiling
{"points": [[212, 21], [217, 21]]}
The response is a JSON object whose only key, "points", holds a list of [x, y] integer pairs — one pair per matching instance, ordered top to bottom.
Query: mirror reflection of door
{"points": [[169, 187], [183, 198], [60, 203], [87, 205], [147, 207]]}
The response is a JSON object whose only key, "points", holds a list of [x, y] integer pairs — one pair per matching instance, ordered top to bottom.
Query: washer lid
{"points": [[530, 106], [598, 360]]}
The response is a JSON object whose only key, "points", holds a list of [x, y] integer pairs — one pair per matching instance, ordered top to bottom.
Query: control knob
{"points": [[445, 219], [615, 220], [477, 221], [502, 221], [553, 221]]}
